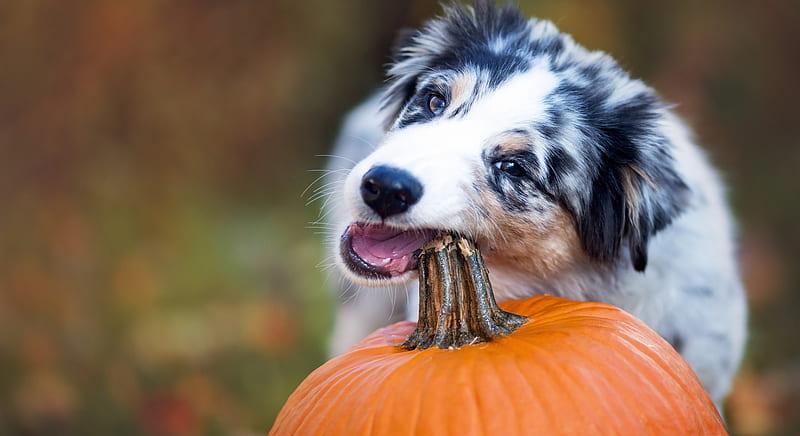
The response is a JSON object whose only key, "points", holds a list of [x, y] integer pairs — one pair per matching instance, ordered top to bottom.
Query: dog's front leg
{"points": [[361, 310]]}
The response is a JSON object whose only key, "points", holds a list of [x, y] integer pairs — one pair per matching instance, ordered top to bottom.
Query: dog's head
{"points": [[505, 130]]}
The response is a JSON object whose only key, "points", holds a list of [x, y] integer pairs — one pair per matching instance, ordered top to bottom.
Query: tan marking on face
{"points": [[461, 89], [511, 142], [542, 244]]}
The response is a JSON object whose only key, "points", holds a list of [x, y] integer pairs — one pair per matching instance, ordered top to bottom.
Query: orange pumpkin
{"points": [[571, 368]]}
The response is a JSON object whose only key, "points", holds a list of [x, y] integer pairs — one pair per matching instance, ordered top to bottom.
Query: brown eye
{"points": [[436, 103]]}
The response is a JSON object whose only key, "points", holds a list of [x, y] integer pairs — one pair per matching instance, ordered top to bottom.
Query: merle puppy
{"points": [[574, 179]]}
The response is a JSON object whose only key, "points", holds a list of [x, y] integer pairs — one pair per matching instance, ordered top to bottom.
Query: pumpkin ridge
{"points": [[643, 353], [343, 378], [531, 393], [476, 402]]}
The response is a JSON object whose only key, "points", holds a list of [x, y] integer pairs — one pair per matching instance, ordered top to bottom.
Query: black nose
{"points": [[389, 191]]}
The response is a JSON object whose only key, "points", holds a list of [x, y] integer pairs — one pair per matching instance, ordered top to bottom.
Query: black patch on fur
{"points": [[551, 45], [397, 95], [419, 102], [413, 118], [551, 128], [622, 141], [558, 164], [515, 193], [677, 342]]}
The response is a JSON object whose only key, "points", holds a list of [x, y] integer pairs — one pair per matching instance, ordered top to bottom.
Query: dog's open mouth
{"points": [[380, 252]]}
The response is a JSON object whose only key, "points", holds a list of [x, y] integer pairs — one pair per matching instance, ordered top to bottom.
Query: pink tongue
{"points": [[388, 249]]}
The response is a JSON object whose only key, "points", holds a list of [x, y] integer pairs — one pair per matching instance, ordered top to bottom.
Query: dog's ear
{"points": [[636, 191], [654, 196]]}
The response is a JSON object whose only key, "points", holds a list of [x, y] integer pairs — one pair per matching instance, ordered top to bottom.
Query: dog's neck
{"points": [[584, 281]]}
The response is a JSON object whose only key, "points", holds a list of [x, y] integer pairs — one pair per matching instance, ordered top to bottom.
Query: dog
{"points": [[573, 178]]}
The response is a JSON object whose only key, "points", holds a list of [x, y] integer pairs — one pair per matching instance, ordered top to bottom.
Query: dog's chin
{"points": [[378, 255], [390, 282]]}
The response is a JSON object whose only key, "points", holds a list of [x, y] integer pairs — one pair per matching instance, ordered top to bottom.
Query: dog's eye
{"points": [[436, 103], [510, 167]]}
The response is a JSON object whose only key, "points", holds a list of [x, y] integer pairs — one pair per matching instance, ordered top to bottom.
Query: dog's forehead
{"points": [[495, 58], [496, 61], [516, 102]]}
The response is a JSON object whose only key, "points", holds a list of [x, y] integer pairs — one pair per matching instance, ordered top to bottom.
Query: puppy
{"points": [[575, 180]]}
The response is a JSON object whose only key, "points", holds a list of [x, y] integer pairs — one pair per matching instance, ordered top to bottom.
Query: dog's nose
{"points": [[389, 191]]}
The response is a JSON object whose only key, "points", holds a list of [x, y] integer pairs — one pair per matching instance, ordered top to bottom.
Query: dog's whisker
{"points": [[338, 157]]}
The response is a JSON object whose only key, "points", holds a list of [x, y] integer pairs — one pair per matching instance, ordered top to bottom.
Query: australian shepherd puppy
{"points": [[575, 180]]}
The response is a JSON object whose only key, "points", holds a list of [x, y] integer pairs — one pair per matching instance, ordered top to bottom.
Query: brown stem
{"points": [[456, 302]]}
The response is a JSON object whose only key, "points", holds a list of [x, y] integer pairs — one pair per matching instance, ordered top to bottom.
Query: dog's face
{"points": [[506, 131]]}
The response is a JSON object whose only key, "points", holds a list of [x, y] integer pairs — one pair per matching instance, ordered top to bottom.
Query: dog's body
{"points": [[573, 178]]}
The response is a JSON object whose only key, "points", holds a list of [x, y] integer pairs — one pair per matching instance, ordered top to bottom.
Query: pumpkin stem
{"points": [[456, 301]]}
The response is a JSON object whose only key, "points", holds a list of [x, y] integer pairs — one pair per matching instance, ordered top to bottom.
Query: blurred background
{"points": [[157, 275]]}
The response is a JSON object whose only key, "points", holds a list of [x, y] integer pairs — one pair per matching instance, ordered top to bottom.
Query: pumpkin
{"points": [[541, 366]]}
